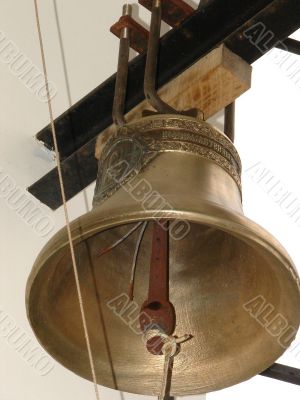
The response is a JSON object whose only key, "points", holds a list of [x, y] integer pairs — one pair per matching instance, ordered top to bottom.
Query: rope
{"points": [[62, 189], [170, 349], [169, 352]]}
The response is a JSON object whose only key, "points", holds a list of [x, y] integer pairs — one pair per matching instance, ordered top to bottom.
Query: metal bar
{"points": [[174, 12], [223, 21], [265, 30], [138, 35], [290, 45], [151, 63], [122, 73], [229, 121], [79, 170], [159, 266], [158, 306], [283, 373]]}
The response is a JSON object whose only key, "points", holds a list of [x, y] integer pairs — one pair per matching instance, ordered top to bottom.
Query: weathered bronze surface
{"points": [[140, 142], [174, 168]]}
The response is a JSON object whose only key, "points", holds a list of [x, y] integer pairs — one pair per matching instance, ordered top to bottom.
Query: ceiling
{"points": [[267, 132]]}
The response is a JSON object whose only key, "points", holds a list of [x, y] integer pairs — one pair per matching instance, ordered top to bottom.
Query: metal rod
{"points": [[290, 45], [151, 63], [122, 73], [229, 121], [159, 266], [158, 306], [283, 373]]}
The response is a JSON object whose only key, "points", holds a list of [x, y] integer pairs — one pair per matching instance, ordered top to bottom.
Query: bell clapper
{"points": [[159, 310]]}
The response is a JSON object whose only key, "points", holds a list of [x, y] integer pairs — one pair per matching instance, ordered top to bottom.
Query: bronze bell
{"points": [[202, 267]]}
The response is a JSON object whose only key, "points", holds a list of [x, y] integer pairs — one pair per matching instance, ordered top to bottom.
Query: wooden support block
{"points": [[210, 85]]}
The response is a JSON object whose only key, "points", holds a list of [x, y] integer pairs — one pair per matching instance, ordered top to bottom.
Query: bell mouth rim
{"points": [[238, 225]]}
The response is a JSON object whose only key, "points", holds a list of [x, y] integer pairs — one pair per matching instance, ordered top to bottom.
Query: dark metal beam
{"points": [[220, 21], [265, 30], [291, 45], [79, 170], [283, 373]]}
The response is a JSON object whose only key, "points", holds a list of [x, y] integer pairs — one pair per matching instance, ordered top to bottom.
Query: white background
{"points": [[268, 130]]}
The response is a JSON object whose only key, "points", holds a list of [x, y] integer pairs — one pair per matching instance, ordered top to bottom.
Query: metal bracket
{"points": [[174, 12], [138, 35]]}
